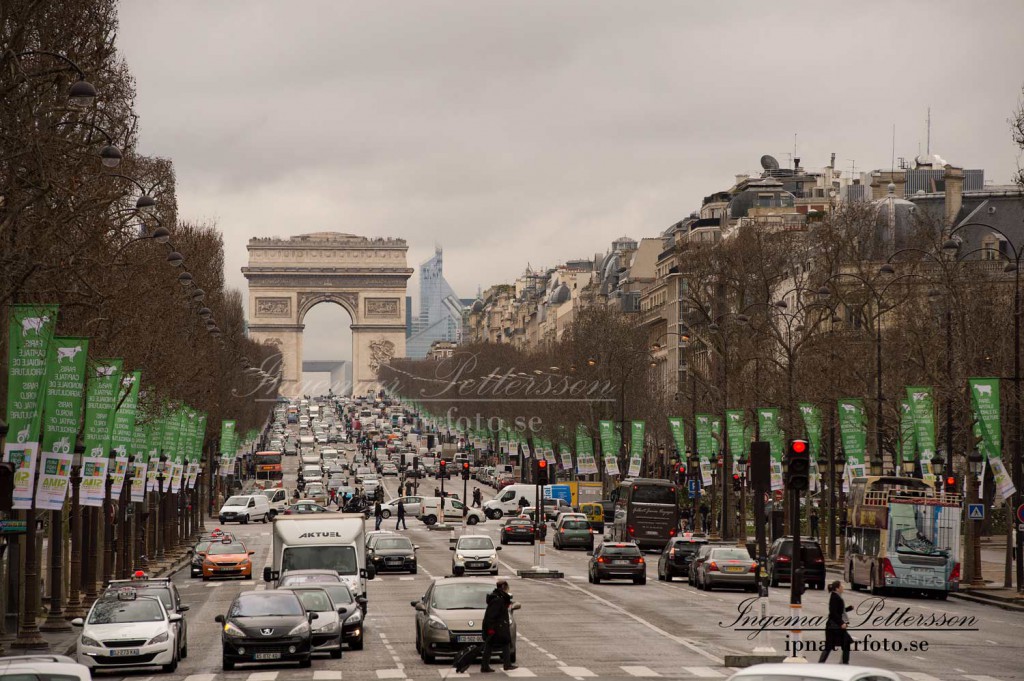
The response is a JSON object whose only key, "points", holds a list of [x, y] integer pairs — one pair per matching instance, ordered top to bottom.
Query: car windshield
{"points": [[268, 458], [269, 493], [237, 501], [575, 524], [399, 543], [476, 543], [687, 547], [222, 549], [626, 550], [730, 554], [341, 559], [163, 593], [339, 593], [460, 596], [315, 600], [265, 604], [114, 611]]}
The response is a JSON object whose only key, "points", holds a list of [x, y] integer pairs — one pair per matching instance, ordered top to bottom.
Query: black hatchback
{"points": [[675, 558], [780, 562], [266, 626]]}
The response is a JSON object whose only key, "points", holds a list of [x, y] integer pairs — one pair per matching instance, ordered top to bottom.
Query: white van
{"points": [[279, 499], [508, 500], [245, 507], [430, 511]]}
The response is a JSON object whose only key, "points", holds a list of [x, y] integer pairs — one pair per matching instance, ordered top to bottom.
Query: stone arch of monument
{"points": [[365, 276]]}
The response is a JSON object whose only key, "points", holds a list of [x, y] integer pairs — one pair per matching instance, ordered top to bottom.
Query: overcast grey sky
{"points": [[539, 131]]}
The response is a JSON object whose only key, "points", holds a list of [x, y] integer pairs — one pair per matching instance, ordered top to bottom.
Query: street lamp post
{"points": [[744, 465], [974, 467], [75, 608]]}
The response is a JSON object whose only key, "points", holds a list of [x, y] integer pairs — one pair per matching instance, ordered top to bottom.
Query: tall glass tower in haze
{"points": [[440, 316]]}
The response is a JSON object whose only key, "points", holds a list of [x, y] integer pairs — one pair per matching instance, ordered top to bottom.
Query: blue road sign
{"points": [[693, 487], [976, 511], [1020, 513]]}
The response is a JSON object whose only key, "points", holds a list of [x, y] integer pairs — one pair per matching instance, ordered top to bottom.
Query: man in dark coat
{"points": [[400, 513], [378, 515], [496, 628]]}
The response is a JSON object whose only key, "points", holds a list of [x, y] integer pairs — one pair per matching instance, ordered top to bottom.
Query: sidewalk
{"points": [[63, 642]]}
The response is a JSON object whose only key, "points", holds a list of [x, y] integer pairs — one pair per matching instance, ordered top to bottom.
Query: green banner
{"points": [[30, 331], [100, 400], [985, 401], [922, 411], [62, 415], [675, 424], [812, 426], [124, 427], [853, 432], [735, 434], [154, 435], [705, 443], [908, 443], [227, 446], [609, 447], [636, 448], [585, 463], [140, 465]]}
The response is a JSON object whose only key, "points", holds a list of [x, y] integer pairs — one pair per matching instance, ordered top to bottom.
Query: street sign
{"points": [[693, 487], [976, 511], [1020, 513], [12, 527]]}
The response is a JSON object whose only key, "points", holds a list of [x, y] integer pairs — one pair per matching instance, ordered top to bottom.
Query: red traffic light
{"points": [[799, 446], [443, 463], [542, 463], [465, 465], [682, 468], [735, 477], [950, 481]]}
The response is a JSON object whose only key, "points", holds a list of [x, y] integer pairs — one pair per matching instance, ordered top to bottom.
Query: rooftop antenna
{"points": [[929, 146], [795, 155], [892, 167], [853, 169]]}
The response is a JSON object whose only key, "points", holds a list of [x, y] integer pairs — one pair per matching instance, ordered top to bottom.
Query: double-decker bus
{"points": [[268, 466], [646, 512], [902, 534]]}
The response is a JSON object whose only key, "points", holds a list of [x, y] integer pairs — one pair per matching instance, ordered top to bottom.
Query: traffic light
{"points": [[415, 463], [798, 468], [442, 469], [465, 470], [542, 471], [681, 474], [737, 483], [951, 484]]}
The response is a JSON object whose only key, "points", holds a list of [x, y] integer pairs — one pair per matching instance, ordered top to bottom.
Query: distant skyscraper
{"points": [[440, 316]]}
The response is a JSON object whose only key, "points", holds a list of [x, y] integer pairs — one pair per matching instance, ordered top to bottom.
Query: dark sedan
{"points": [[517, 529], [392, 553], [196, 560], [674, 560], [617, 561], [780, 562], [352, 618], [266, 626]]}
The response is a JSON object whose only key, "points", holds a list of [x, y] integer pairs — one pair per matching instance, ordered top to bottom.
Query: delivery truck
{"points": [[326, 541]]}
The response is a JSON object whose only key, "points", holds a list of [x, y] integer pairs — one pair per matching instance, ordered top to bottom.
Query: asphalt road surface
{"points": [[570, 629]]}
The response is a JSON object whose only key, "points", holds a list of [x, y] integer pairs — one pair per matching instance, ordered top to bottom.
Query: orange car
{"points": [[227, 558]]}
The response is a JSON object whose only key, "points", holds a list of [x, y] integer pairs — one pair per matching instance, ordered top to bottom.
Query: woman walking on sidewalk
{"points": [[836, 635]]}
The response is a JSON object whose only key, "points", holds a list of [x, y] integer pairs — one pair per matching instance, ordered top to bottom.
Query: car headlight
{"points": [[459, 556], [244, 561], [355, 617], [436, 623], [329, 627], [300, 629], [231, 630], [159, 638], [87, 641]]}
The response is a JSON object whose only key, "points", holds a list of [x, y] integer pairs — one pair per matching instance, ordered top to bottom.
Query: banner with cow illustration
{"points": [[29, 335], [100, 401], [985, 401], [922, 411], [62, 414], [811, 415], [187, 424], [675, 424], [124, 426], [771, 432], [853, 433], [735, 435], [908, 441], [610, 444], [227, 446], [636, 448], [585, 463], [140, 465]]}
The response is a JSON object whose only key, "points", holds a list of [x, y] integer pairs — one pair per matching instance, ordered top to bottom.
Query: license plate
{"points": [[620, 562], [734, 569], [471, 638], [124, 652], [267, 656]]}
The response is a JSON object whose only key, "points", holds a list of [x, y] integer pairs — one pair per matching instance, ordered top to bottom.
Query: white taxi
{"points": [[127, 629]]}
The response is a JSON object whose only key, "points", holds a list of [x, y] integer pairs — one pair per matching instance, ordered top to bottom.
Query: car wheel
{"points": [[385, 513], [273, 514], [221, 519], [245, 520], [430, 520], [472, 520], [504, 542], [413, 571], [494, 572], [249, 576], [668, 576], [661, 577], [205, 578], [597, 578], [640, 580], [708, 586], [358, 644], [184, 651], [336, 654], [425, 656], [512, 657], [306, 662], [227, 665], [170, 668]]}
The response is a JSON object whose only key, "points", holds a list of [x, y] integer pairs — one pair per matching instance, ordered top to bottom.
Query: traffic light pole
{"points": [[797, 480]]}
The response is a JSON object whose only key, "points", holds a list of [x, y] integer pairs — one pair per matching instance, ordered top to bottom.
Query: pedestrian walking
{"points": [[477, 496], [704, 513], [400, 514], [378, 515], [814, 522], [496, 631], [836, 635]]}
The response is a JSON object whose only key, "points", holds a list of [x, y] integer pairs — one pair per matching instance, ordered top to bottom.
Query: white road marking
{"points": [[406, 579], [210, 585], [991, 641], [541, 649], [551, 656], [639, 671], [521, 672], [578, 672], [703, 672], [390, 673], [452, 674], [326, 675], [262, 676], [918, 676], [200, 677], [980, 677]]}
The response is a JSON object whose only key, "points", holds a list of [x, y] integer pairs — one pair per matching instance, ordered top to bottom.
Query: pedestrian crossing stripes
{"points": [[640, 671], [704, 672], [327, 675], [918, 676]]}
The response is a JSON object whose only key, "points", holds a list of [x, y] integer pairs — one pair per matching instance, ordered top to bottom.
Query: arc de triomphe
{"points": [[366, 276]]}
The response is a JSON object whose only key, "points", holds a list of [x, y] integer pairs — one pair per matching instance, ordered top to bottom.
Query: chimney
{"points": [[954, 178]]}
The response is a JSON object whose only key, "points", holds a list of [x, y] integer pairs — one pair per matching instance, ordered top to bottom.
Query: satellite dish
{"points": [[769, 162]]}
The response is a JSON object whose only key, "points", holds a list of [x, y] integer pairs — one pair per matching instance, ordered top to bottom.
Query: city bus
{"points": [[268, 466], [646, 512], [902, 534]]}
